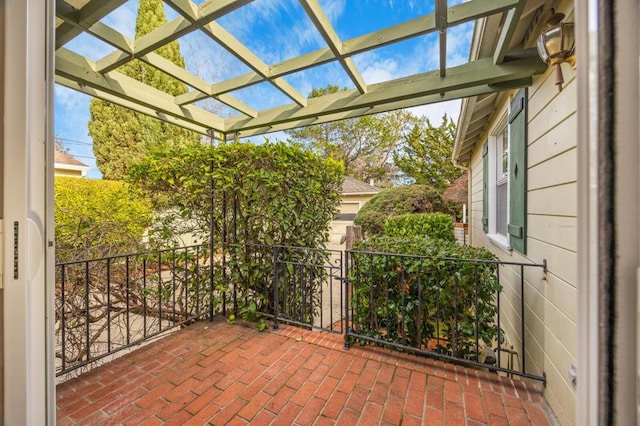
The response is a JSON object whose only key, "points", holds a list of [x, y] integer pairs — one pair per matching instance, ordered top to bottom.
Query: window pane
{"points": [[505, 154], [502, 156], [501, 208]]}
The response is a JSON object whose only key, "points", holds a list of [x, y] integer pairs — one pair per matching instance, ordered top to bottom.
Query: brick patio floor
{"points": [[215, 373]]}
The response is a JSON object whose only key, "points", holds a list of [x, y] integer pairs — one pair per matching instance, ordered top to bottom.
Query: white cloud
{"points": [[333, 9], [123, 19], [458, 44], [380, 71], [67, 98], [435, 112]]}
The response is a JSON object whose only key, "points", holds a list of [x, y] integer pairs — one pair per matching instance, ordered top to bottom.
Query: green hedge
{"points": [[257, 195], [398, 201], [96, 218], [432, 225], [421, 298]]}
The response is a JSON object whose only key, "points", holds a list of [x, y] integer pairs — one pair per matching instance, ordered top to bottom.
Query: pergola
{"points": [[510, 63], [607, 190]]}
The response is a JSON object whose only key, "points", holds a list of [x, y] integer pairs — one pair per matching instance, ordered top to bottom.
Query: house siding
{"points": [[68, 173], [550, 301]]}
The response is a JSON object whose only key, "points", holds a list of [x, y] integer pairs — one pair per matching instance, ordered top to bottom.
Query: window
{"points": [[501, 144], [504, 178]]}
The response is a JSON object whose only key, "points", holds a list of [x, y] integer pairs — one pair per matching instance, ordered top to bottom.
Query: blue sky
{"points": [[261, 27]]}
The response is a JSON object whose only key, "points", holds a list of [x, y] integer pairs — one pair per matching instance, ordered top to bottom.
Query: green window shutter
{"points": [[485, 187], [517, 227]]}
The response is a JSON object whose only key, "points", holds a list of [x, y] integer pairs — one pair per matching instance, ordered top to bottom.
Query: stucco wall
{"points": [[353, 203], [349, 205], [551, 301]]}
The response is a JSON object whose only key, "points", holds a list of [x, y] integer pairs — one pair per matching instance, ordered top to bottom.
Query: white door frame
{"points": [[28, 285], [28, 297], [594, 326]]}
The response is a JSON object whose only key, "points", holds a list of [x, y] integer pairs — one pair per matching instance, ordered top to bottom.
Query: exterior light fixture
{"points": [[556, 44]]}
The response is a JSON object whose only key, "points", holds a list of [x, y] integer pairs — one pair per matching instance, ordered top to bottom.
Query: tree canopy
{"points": [[121, 136], [365, 145], [426, 154]]}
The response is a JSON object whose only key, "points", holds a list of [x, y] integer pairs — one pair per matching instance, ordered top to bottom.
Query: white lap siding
{"points": [[551, 301]]}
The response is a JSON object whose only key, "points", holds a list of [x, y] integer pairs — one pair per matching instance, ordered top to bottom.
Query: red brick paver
{"points": [[215, 373]]}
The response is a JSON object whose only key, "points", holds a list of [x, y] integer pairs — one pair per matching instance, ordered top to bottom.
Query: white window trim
{"points": [[499, 240]]}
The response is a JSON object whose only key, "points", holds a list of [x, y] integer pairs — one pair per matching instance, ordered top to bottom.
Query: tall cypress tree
{"points": [[121, 136], [426, 155]]}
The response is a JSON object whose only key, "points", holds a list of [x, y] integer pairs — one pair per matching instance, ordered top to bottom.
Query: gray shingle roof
{"points": [[62, 158], [352, 186]]}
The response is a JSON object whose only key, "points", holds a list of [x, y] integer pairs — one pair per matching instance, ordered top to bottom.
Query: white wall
{"points": [[551, 303]]}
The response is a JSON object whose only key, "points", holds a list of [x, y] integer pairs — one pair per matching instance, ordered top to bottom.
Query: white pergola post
{"points": [[29, 392]]}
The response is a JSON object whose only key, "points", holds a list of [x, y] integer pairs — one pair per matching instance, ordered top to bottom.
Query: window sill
{"points": [[501, 242]]}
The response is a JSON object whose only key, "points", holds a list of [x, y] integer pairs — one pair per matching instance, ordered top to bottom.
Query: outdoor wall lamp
{"points": [[556, 44]]}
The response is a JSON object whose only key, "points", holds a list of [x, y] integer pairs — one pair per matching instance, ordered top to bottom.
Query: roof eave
{"points": [[466, 106]]}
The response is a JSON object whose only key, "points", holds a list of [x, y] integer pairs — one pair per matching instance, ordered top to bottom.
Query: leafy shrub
{"points": [[259, 196], [398, 201], [97, 218], [432, 225], [422, 298]]}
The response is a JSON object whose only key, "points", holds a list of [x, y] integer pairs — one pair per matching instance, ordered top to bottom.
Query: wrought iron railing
{"points": [[294, 285], [108, 304], [450, 309], [457, 310]]}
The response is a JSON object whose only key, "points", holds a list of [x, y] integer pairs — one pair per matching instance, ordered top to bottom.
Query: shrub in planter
{"points": [[432, 225], [423, 298]]}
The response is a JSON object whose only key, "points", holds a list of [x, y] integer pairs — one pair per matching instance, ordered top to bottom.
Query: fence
{"points": [[293, 285], [109, 304], [444, 308], [449, 309]]}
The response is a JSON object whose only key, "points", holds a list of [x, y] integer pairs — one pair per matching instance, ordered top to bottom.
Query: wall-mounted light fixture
{"points": [[556, 44]]}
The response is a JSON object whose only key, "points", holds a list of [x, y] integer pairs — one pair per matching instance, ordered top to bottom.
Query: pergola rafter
{"points": [[317, 16], [510, 65]]}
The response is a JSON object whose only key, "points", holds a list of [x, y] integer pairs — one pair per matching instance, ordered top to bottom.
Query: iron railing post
{"points": [[211, 257], [345, 282], [476, 283], [275, 288], [160, 290], [128, 300], [86, 301], [109, 304], [63, 318], [524, 354]]}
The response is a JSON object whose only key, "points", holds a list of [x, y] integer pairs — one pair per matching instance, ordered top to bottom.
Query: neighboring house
{"points": [[520, 149], [66, 165], [355, 194]]}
